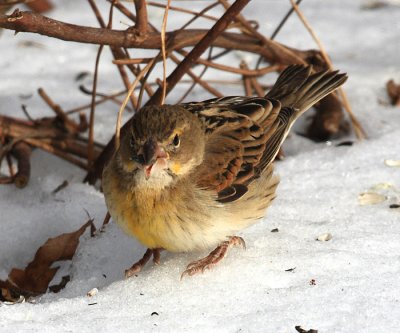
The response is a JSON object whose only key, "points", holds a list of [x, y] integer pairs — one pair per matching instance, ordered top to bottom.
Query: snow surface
{"points": [[356, 273]]}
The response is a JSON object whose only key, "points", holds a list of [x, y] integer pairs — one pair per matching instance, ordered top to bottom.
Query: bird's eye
{"points": [[177, 141]]}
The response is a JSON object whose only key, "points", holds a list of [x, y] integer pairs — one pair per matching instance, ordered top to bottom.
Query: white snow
{"points": [[356, 273]]}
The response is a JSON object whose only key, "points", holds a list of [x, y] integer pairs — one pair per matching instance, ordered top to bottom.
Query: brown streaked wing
{"points": [[237, 132]]}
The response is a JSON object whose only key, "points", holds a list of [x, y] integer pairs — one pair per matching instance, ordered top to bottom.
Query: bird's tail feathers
{"points": [[296, 87]]}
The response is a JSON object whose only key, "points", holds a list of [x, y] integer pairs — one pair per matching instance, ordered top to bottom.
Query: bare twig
{"points": [[184, 10], [199, 14], [141, 16], [285, 18], [32, 22], [278, 28], [199, 49], [163, 51], [117, 52], [194, 81], [251, 83], [205, 85], [248, 91], [104, 98], [346, 104], [92, 108], [121, 110], [69, 124], [22, 152], [58, 152], [90, 153], [10, 166], [106, 220]]}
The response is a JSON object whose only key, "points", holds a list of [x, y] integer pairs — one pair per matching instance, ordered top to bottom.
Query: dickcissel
{"points": [[190, 176]]}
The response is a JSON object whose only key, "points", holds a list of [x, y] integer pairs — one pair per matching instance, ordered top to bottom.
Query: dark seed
{"points": [[345, 143]]}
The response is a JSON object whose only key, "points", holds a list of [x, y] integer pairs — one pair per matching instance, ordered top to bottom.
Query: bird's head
{"points": [[164, 144]]}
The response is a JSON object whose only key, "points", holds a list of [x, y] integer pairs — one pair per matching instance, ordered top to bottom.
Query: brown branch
{"points": [[199, 14], [141, 16], [285, 18], [36, 23], [199, 49], [210, 51], [117, 52], [164, 52], [208, 63], [198, 80], [251, 82], [248, 89], [110, 98], [103, 99], [69, 124], [47, 134], [90, 151], [22, 152], [58, 152], [10, 165]]}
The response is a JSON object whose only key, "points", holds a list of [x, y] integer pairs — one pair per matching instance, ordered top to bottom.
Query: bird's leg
{"points": [[137, 266], [199, 266]]}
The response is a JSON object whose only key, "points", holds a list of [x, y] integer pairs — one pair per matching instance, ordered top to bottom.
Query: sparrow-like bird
{"points": [[190, 176]]}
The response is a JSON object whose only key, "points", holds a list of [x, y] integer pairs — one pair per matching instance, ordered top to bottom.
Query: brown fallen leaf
{"points": [[393, 90], [328, 120], [35, 278]]}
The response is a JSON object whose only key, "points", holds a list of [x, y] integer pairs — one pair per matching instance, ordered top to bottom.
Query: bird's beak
{"points": [[153, 156]]}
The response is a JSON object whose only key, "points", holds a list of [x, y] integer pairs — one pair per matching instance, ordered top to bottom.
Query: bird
{"points": [[188, 177]]}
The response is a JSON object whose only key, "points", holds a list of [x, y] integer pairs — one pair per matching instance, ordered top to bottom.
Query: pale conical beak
{"points": [[154, 156]]}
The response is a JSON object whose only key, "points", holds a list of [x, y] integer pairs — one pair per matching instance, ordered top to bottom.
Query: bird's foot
{"points": [[199, 266], [137, 267]]}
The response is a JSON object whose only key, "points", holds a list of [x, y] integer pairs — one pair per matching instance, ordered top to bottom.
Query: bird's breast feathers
{"points": [[179, 218]]}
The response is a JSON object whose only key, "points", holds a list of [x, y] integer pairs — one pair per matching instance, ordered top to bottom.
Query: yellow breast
{"points": [[149, 217], [178, 219]]}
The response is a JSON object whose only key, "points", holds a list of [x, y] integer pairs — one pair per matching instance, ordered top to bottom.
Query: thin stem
{"points": [[164, 53], [360, 133]]}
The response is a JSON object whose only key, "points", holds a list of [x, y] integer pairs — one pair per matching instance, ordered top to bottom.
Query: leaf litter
{"points": [[37, 275]]}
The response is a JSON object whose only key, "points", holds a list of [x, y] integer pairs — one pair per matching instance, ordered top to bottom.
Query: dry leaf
{"points": [[393, 91], [370, 198], [35, 278]]}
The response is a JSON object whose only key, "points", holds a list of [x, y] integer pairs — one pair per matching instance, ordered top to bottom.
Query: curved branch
{"points": [[130, 38]]}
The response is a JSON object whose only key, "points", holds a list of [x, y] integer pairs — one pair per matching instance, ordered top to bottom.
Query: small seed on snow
{"points": [[392, 163], [381, 186], [370, 198], [324, 237], [92, 292]]}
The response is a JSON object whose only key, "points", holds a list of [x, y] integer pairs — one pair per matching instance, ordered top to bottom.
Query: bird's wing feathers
{"points": [[238, 130], [244, 133]]}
